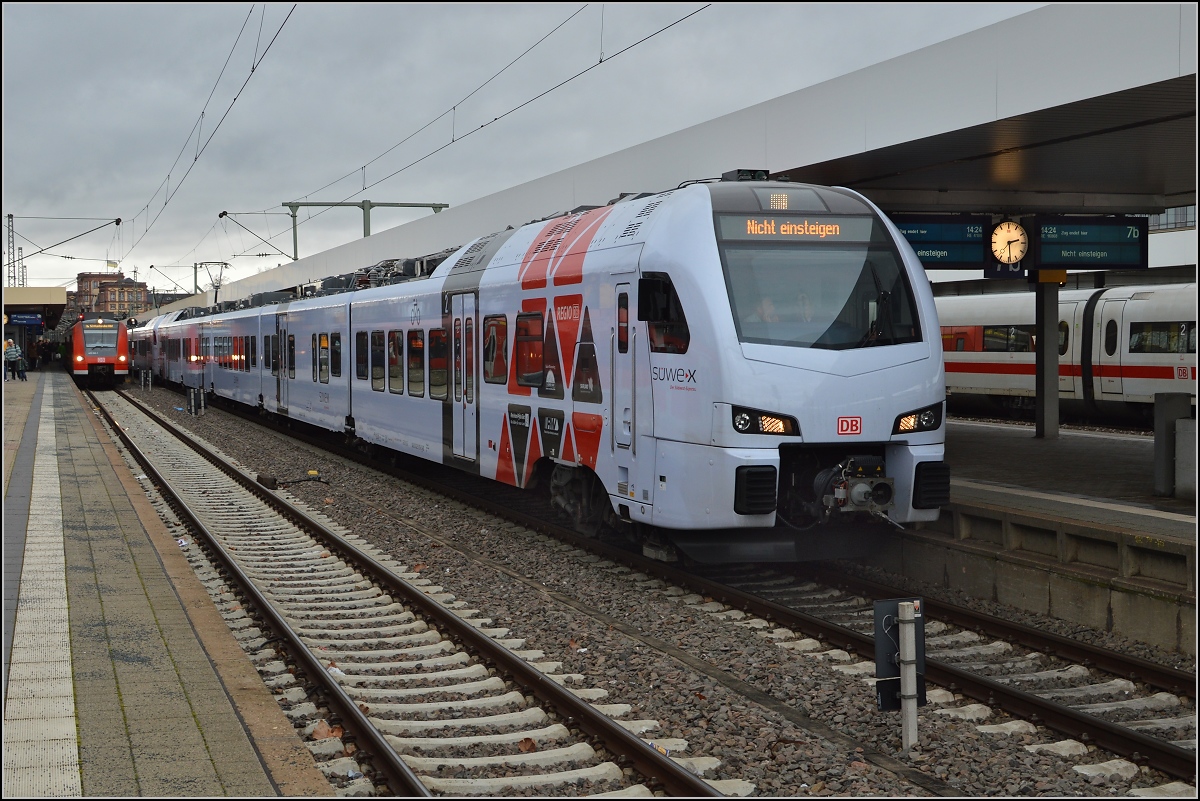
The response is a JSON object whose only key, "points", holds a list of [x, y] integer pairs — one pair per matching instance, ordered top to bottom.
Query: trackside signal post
{"points": [[900, 661]]}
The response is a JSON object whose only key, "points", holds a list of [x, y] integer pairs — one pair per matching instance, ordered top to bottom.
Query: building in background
{"points": [[109, 293]]}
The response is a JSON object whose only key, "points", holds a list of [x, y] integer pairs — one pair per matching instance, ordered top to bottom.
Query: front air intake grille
{"points": [[931, 487], [754, 490]]}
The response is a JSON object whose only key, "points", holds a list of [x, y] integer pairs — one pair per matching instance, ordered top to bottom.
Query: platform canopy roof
{"points": [[1132, 151]]}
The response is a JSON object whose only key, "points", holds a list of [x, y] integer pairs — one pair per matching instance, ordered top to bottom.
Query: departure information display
{"points": [[779, 228], [949, 241], [1091, 242]]}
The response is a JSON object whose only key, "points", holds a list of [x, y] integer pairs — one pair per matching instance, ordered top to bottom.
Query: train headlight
{"points": [[78, 358], [121, 358], [927, 419], [749, 421]]}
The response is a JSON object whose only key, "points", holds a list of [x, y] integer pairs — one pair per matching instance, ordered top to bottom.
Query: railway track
{"points": [[394, 681], [1005, 687], [1134, 708]]}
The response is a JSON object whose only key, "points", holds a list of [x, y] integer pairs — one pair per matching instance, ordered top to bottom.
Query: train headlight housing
{"points": [[78, 358], [121, 358], [927, 419], [750, 421]]}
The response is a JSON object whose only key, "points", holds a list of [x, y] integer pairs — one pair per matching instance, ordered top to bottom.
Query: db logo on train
{"points": [[849, 425]]}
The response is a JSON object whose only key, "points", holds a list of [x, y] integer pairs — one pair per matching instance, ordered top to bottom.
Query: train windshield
{"points": [[838, 295], [100, 339]]}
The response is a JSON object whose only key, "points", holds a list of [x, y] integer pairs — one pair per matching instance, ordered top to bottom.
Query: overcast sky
{"points": [[167, 115]]}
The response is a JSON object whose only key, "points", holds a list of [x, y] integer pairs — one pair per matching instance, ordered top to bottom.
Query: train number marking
{"points": [[848, 426]]}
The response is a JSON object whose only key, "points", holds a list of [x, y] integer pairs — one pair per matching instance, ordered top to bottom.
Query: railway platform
{"points": [[1067, 527], [120, 678]]}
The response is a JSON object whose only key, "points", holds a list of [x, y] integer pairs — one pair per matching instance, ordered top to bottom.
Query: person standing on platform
{"points": [[12, 357], [31, 358]]}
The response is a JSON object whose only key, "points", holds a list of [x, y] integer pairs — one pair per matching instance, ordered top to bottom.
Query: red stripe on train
{"points": [[1162, 372]]}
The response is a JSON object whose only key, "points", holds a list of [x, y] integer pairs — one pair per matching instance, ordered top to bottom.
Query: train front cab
{"points": [[100, 351], [788, 426]]}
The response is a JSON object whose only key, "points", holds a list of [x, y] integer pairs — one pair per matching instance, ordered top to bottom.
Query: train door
{"points": [[462, 312], [622, 347], [281, 355], [1108, 360], [1068, 362]]}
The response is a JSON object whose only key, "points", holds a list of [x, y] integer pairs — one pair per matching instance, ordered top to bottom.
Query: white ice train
{"points": [[1118, 347], [733, 368]]}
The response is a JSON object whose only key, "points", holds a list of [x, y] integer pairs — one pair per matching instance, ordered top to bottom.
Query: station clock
{"points": [[1010, 243]]}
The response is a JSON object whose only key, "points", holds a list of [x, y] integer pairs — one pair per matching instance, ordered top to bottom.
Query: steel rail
{"points": [[1133, 668], [1140, 748], [657, 768], [401, 778]]}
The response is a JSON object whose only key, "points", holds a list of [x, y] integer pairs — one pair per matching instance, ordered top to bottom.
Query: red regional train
{"points": [[1117, 347], [99, 350]]}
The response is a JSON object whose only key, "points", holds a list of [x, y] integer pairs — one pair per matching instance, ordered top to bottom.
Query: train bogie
{"points": [[717, 363]]}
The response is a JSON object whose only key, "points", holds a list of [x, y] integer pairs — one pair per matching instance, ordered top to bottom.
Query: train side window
{"points": [[660, 308], [623, 322], [1064, 337], [1167, 337], [1008, 338], [1110, 338], [495, 349], [254, 351], [246, 353], [275, 354], [335, 354], [291, 355], [360, 355], [528, 356], [395, 357], [323, 358], [314, 361], [458, 361], [378, 363], [437, 363], [416, 364], [469, 382]]}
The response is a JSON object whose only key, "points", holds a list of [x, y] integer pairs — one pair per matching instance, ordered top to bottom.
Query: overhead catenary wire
{"points": [[449, 110], [455, 139], [200, 150]]}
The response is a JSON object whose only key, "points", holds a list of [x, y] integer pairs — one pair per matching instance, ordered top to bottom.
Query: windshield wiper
{"points": [[883, 315]]}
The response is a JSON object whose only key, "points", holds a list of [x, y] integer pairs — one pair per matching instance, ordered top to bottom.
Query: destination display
{"points": [[789, 228], [947, 242], [1095, 242], [24, 319]]}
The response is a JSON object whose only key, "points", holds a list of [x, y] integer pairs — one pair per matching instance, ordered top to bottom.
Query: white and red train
{"points": [[1118, 347], [98, 350], [731, 368]]}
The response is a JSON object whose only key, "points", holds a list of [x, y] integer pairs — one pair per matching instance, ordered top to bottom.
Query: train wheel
{"points": [[581, 496]]}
